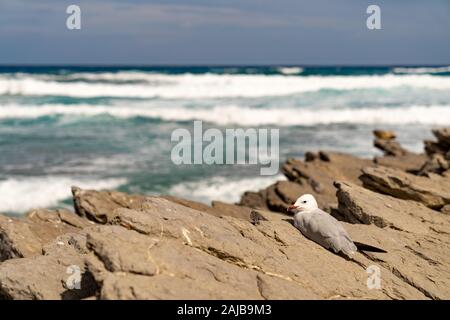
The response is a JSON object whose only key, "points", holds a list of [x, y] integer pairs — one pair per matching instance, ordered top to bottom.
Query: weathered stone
{"points": [[384, 134], [443, 137], [441, 146], [390, 147], [432, 147], [410, 162], [435, 164], [320, 174], [432, 191], [283, 193], [256, 200], [192, 204], [99, 205], [360, 205], [217, 208], [446, 209], [231, 210], [58, 216], [408, 231], [25, 237], [223, 258], [51, 276]]}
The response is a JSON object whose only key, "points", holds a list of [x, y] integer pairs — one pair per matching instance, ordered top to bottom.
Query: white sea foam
{"points": [[290, 70], [422, 70], [216, 86], [245, 116], [221, 188], [25, 193]]}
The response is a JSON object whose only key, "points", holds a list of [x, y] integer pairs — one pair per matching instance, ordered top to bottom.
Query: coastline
{"points": [[161, 247]]}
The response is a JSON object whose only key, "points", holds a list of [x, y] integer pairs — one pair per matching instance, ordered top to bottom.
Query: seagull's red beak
{"points": [[291, 207]]}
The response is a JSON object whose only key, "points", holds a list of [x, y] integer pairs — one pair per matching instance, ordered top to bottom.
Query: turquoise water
{"points": [[110, 127]]}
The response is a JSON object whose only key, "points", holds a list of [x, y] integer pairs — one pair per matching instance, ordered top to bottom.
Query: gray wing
{"points": [[324, 229]]}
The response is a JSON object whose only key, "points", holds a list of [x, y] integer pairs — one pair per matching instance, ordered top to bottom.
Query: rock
{"points": [[384, 134], [443, 137], [442, 145], [390, 147], [432, 147], [438, 153], [311, 156], [409, 162], [435, 164], [320, 174], [314, 176], [432, 192], [284, 193], [256, 200], [192, 204], [99, 205], [360, 205], [217, 209], [446, 209], [231, 210], [58, 216], [408, 231], [25, 237], [147, 247], [222, 258], [414, 259], [48, 276]]}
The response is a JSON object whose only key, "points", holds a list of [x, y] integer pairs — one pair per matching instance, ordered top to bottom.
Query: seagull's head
{"points": [[304, 203]]}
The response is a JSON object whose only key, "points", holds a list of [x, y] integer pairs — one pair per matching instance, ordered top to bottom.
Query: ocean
{"points": [[110, 127]]}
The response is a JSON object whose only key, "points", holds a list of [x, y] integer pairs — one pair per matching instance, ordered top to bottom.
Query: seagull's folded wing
{"points": [[327, 231]]}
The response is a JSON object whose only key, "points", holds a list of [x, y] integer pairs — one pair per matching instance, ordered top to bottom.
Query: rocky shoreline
{"points": [[120, 246]]}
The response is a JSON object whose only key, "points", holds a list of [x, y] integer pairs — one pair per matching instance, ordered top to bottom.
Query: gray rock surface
{"points": [[433, 191]]}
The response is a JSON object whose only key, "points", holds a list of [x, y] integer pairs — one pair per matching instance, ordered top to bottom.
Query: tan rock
{"points": [[384, 134], [443, 137], [409, 162], [320, 174], [434, 192], [257, 200], [99, 205], [360, 205], [446, 209], [231, 210], [25, 237], [416, 238], [223, 258], [51, 276]]}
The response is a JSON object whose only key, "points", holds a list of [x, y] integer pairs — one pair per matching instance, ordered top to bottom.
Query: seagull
{"points": [[323, 228]]}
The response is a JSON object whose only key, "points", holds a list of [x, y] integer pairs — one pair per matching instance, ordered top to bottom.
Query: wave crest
{"points": [[190, 86], [245, 116], [44, 192]]}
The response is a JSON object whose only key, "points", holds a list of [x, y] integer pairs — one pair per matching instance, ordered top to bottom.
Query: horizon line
{"points": [[174, 65]]}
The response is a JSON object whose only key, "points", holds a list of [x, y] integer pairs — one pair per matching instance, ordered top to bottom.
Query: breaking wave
{"points": [[421, 70], [193, 86], [245, 116], [221, 188], [44, 192]]}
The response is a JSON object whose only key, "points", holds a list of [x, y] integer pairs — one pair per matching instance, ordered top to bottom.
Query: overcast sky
{"points": [[225, 32]]}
